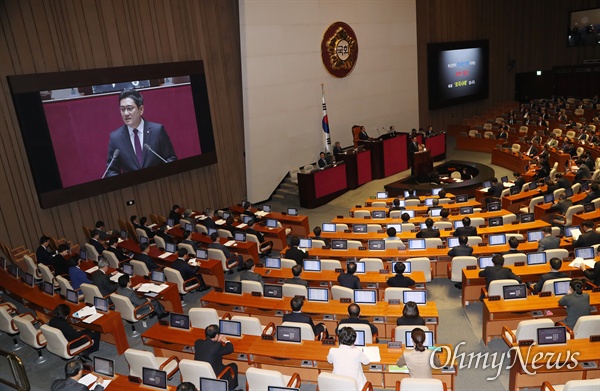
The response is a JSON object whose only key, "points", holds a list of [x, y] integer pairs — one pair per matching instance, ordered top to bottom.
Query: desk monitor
{"points": [[504, 179], [487, 184], [533, 185], [584, 186], [514, 190], [436, 191], [569, 192], [406, 193], [381, 195], [462, 198], [548, 198], [428, 201], [402, 203], [494, 206], [589, 207], [266, 208], [466, 210], [292, 212], [409, 212], [435, 212], [378, 214], [225, 215], [526, 217], [246, 219], [495, 221], [170, 222], [271, 223], [458, 224], [424, 226], [188, 227], [328, 227], [397, 227], [359, 228], [569, 230], [210, 231], [123, 234], [239, 236], [534, 236], [144, 240], [497, 240], [453, 242], [305, 243], [339, 244], [376, 244], [416, 244], [170, 248], [585, 253], [83, 254], [201, 254], [538, 258], [485, 262], [3, 263], [273, 263], [407, 264], [311, 265], [360, 267], [128, 269], [13, 270], [156, 276], [28, 279], [233, 287], [561, 287], [49, 288], [273, 291], [510, 292], [318, 294], [72, 296], [365, 296], [418, 296], [101, 304], [179, 321], [230, 327], [289, 334], [551, 335], [360, 337], [428, 339], [104, 366], [154, 378], [208, 384], [275, 388]]}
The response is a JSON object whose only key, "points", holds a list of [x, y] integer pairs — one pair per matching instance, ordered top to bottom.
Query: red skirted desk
{"points": [[436, 144], [388, 155], [358, 166], [321, 186]]}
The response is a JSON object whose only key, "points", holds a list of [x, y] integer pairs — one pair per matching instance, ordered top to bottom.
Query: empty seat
{"points": [[372, 264], [421, 264], [458, 264], [291, 290], [339, 292], [393, 293], [130, 313], [200, 318], [587, 326], [30, 335], [138, 359], [261, 379], [330, 382], [415, 384]]}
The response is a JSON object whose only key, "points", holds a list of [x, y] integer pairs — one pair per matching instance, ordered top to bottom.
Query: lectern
{"points": [[423, 166]]}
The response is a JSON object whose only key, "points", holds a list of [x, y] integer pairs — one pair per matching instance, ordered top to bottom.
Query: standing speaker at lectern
{"points": [[140, 143], [413, 147]]}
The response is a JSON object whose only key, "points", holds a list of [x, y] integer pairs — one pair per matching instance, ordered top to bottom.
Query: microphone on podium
{"points": [[147, 147], [114, 156]]}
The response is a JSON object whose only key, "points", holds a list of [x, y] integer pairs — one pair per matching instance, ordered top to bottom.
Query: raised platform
{"points": [[480, 172]]}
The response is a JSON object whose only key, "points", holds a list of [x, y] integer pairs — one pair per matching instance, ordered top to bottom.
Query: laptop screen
{"points": [[504, 179], [486, 184], [533, 186], [584, 186], [514, 190], [436, 191], [569, 192], [382, 195], [462, 198], [548, 198], [428, 201], [494, 206], [588, 207], [266, 208], [466, 210], [292, 212], [409, 212], [435, 212], [378, 214], [226, 215], [527, 217], [495, 221], [170, 222], [271, 223], [458, 224], [188, 227], [328, 227], [397, 227], [359, 228], [569, 230], [210, 231], [123, 234], [240, 236], [534, 236], [144, 240], [496, 240], [453, 242], [305, 243], [339, 244], [376, 244], [416, 244], [170, 247], [584, 252], [83, 254], [201, 254], [536, 258], [485, 262], [273, 263], [311, 265], [360, 267], [128, 269], [13, 270], [157, 276], [28, 279], [233, 287], [561, 287], [48, 288], [274, 291], [510, 292], [318, 294], [72, 296], [365, 296], [418, 296], [101, 304], [179, 321], [230, 327], [288, 334], [551, 335], [360, 338], [428, 339], [104, 366], [154, 378], [208, 384], [274, 388]]}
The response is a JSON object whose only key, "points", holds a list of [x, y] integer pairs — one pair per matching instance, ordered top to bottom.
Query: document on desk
{"points": [[457, 180], [508, 184], [484, 189], [261, 213], [201, 217], [220, 222], [243, 225], [151, 226], [576, 233], [230, 243], [165, 255], [577, 262], [92, 269], [115, 277], [149, 287], [85, 311], [92, 318], [372, 352], [396, 368], [91, 379]]}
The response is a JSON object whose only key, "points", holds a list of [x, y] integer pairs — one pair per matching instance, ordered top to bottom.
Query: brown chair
{"points": [[355, 132], [86, 232]]}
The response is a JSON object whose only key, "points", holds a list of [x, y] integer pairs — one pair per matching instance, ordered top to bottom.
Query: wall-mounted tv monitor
{"points": [[584, 27], [457, 72], [73, 123]]}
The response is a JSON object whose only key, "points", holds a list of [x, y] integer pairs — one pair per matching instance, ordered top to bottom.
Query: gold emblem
{"points": [[339, 49]]}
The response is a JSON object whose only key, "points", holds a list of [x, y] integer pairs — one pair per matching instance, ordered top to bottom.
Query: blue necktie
{"points": [[138, 147]]}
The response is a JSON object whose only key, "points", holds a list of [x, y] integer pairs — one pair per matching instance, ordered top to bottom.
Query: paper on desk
{"points": [[444, 177], [457, 180], [508, 184], [484, 189], [261, 213], [201, 217], [220, 222], [243, 225], [151, 226], [575, 232], [120, 240], [230, 243], [165, 255], [192, 262], [587, 262], [92, 269], [116, 276], [149, 287], [85, 311], [92, 318], [372, 353], [396, 368], [87, 379]]}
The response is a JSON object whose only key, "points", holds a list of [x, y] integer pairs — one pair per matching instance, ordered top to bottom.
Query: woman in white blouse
{"points": [[348, 359]]}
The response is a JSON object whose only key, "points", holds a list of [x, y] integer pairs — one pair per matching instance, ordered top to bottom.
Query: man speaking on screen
{"points": [[139, 143]]}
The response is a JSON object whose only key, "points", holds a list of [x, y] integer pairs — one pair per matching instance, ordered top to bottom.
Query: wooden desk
{"points": [[477, 144], [388, 155], [510, 160], [358, 166], [321, 186], [390, 200], [514, 202], [422, 209], [543, 210], [581, 217], [416, 219], [298, 224], [276, 235], [509, 313], [110, 325], [122, 383]]}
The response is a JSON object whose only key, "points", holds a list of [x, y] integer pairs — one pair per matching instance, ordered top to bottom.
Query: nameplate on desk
{"points": [[358, 206], [284, 213], [340, 217], [367, 217], [515, 222], [448, 229], [414, 230], [347, 231], [380, 231], [522, 240], [481, 244], [441, 247], [362, 248], [567, 259], [519, 263], [259, 265], [471, 267], [339, 270], [384, 271], [323, 283], [218, 289], [596, 289], [257, 294], [545, 294], [494, 298], [345, 300], [394, 301], [238, 308], [278, 313], [328, 317], [378, 319], [431, 320], [163, 322], [267, 337], [594, 338], [328, 341], [526, 342], [394, 345], [242, 356], [307, 363], [589, 365], [375, 367], [134, 379]]}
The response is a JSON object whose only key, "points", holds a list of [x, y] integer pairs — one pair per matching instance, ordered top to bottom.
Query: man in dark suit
{"points": [[503, 134], [363, 135], [131, 138], [413, 147], [337, 148], [569, 148], [532, 150], [322, 160], [583, 171], [519, 180], [562, 182], [551, 186], [495, 191], [592, 193], [395, 206], [248, 210], [174, 214], [133, 220], [209, 221], [144, 226], [228, 226], [250, 229], [466, 229], [161, 232], [429, 232], [104, 235], [589, 236], [187, 240], [95, 241], [548, 242], [513, 244], [112, 247], [463, 249], [294, 252], [43, 253], [228, 255], [144, 257], [555, 265], [184, 268], [296, 271], [497, 272], [249, 274], [592, 275], [348, 279], [102, 280], [399, 280], [126, 290], [297, 316], [354, 318], [60, 321], [212, 349], [73, 372]]}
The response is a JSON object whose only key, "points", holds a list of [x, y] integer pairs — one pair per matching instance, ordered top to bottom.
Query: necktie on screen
{"points": [[138, 146]]}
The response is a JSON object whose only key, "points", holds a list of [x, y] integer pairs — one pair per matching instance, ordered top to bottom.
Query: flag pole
{"points": [[325, 122]]}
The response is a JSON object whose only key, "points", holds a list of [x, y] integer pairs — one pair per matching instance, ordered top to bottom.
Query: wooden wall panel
{"points": [[532, 32], [47, 36]]}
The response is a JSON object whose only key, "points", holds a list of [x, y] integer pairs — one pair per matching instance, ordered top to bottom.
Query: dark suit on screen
{"points": [[154, 135], [212, 352]]}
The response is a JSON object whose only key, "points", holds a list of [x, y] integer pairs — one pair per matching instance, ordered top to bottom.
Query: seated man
{"points": [[322, 160], [495, 191], [592, 193], [395, 206], [560, 207], [248, 209], [444, 213], [174, 214], [209, 221], [144, 226], [228, 226], [466, 229], [317, 232], [428, 232], [162, 233], [104, 235], [391, 236], [588, 237], [188, 240], [95, 241], [548, 242], [513, 243], [112, 247], [463, 249], [294, 252], [43, 253], [228, 255], [144, 257], [555, 265], [186, 270], [296, 271], [248, 272], [497, 272], [77, 275], [101, 279], [348, 279], [399, 280], [126, 290], [297, 316], [354, 318], [60, 321], [212, 349], [73, 372]]}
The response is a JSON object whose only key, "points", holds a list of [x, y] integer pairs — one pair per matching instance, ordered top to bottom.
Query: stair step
{"points": [[289, 185]]}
